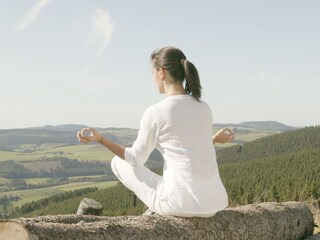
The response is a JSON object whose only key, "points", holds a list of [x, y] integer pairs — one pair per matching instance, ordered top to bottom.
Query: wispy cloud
{"points": [[32, 15], [103, 28], [262, 76], [258, 78], [279, 78], [88, 79], [268, 80]]}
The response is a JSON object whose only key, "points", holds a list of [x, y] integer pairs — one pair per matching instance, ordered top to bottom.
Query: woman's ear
{"points": [[162, 73]]}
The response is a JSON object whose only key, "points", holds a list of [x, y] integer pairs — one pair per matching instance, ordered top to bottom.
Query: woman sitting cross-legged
{"points": [[180, 127]]}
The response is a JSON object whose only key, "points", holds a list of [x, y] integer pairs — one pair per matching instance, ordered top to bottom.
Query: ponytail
{"points": [[174, 61], [192, 85]]}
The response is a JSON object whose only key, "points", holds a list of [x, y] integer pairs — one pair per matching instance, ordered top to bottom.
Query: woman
{"points": [[180, 127]]}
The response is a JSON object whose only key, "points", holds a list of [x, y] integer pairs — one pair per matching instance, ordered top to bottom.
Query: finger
{"points": [[83, 131], [227, 131], [90, 132], [230, 132], [79, 136], [83, 137], [231, 137], [84, 140]]}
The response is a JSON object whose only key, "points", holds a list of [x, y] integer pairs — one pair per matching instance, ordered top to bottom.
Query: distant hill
{"points": [[258, 125], [64, 127], [72, 128], [61, 134], [66, 134]]}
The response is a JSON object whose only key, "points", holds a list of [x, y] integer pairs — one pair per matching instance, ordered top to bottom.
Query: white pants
{"points": [[144, 183], [148, 186]]}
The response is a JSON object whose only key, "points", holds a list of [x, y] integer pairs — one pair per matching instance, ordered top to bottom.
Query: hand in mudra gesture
{"points": [[87, 135], [223, 135]]}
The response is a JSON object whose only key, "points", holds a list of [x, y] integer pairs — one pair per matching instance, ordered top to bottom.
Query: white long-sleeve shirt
{"points": [[181, 129]]}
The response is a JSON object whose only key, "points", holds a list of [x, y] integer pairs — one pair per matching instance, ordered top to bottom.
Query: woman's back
{"points": [[185, 132], [191, 179]]}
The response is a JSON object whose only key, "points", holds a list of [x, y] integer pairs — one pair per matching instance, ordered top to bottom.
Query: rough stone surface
{"points": [[315, 209], [264, 221], [314, 237]]}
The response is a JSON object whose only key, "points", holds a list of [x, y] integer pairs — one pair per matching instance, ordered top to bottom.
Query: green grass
{"points": [[121, 132], [248, 137], [80, 152], [88, 152], [6, 155], [41, 165], [90, 176], [44, 180], [3, 181], [35, 181], [75, 186], [36, 194], [31, 195]]}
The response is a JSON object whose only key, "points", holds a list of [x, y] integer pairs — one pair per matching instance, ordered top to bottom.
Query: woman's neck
{"points": [[174, 89]]}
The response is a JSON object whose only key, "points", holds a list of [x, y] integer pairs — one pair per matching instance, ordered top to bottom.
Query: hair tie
{"points": [[182, 60]]}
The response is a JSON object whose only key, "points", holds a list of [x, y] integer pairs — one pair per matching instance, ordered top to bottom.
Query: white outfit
{"points": [[181, 129]]}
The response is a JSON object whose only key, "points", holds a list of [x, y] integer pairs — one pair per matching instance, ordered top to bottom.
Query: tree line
{"points": [[66, 167]]}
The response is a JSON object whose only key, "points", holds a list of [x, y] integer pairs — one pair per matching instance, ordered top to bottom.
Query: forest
{"points": [[58, 167], [281, 167]]}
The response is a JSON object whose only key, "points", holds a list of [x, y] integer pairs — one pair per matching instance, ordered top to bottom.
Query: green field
{"points": [[121, 132], [37, 152], [91, 176], [44, 180], [3, 181], [35, 181], [36, 194]]}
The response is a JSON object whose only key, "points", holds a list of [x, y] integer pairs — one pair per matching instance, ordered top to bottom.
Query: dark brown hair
{"points": [[175, 62]]}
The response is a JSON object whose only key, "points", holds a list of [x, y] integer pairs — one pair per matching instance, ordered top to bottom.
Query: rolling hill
{"points": [[258, 125], [66, 134], [59, 135]]}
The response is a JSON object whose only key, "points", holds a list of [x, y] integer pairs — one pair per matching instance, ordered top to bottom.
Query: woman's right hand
{"points": [[87, 135], [224, 135]]}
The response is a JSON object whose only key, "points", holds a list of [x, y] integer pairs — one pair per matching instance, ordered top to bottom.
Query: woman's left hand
{"points": [[87, 135], [223, 135]]}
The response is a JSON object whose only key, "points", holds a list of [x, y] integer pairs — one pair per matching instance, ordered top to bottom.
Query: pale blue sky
{"points": [[87, 62]]}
